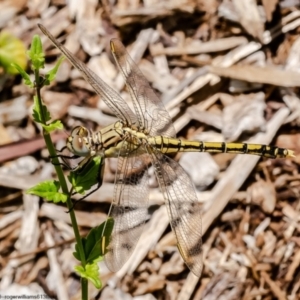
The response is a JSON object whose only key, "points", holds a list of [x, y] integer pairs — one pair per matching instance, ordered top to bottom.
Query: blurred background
{"points": [[226, 70]]}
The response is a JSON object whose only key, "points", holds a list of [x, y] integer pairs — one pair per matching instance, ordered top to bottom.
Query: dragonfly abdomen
{"points": [[171, 145]]}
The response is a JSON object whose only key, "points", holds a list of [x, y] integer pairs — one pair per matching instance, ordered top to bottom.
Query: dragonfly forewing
{"points": [[113, 100], [150, 111]]}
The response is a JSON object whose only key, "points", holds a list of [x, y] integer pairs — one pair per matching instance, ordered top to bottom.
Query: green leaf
{"points": [[12, 51], [36, 54], [25, 76], [50, 76], [40, 112], [55, 125], [89, 175], [49, 190], [96, 242], [76, 253], [90, 272]]}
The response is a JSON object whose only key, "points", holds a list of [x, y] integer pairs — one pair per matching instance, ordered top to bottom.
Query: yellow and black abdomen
{"points": [[171, 145]]}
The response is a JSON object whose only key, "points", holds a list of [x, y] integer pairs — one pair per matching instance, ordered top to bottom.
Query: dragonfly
{"points": [[139, 139]]}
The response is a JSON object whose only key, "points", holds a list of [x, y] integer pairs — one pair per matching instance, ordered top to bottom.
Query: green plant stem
{"points": [[38, 94], [64, 187], [84, 288]]}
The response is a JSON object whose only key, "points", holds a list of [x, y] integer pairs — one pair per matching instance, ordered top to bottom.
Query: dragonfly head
{"points": [[78, 141]]}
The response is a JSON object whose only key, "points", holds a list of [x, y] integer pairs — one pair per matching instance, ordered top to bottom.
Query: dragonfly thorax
{"points": [[117, 139]]}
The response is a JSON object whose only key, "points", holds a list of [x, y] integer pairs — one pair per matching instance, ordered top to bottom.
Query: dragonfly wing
{"points": [[113, 100], [150, 111], [183, 208], [129, 209]]}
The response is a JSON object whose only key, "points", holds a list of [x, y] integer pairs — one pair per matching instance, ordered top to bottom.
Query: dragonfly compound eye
{"points": [[77, 142]]}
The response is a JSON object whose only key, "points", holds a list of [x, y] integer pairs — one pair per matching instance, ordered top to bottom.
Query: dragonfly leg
{"points": [[61, 150], [64, 156], [64, 163], [61, 164]]}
